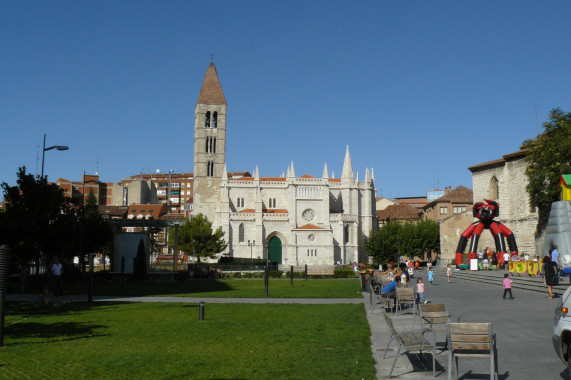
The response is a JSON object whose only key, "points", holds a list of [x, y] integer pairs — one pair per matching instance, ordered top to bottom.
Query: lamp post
{"points": [[58, 147], [251, 244]]}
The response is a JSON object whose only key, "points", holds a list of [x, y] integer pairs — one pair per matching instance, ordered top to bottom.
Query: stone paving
{"points": [[523, 326]]}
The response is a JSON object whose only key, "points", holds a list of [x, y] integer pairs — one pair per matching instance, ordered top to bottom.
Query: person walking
{"points": [[57, 270], [550, 270], [449, 271], [430, 276], [507, 286], [420, 291]]}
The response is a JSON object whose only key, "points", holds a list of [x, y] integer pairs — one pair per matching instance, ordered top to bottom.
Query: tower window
{"points": [[214, 119], [207, 120], [211, 145], [210, 169], [494, 188]]}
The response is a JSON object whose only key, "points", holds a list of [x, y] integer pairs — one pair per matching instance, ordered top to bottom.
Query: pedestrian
{"points": [[494, 260], [506, 261], [57, 270], [550, 270], [449, 271], [410, 272], [430, 276], [404, 279], [507, 286], [420, 291]]}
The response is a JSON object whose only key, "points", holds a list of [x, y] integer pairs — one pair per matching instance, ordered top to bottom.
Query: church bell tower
{"points": [[209, 145]]}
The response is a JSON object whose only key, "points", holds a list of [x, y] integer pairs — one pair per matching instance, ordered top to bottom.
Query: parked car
{"points": [[562, 329]]}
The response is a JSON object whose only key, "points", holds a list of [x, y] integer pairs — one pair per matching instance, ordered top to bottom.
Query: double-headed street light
{"points": [[58, 147], [251, 244]]}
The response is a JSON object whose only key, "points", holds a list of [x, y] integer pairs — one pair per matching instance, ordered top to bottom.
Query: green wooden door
{"points": [[275, 250]]}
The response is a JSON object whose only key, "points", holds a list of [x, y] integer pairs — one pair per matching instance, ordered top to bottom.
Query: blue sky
{"points": [[419, 90]]}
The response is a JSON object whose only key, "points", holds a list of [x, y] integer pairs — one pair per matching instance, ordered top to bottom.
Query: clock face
{"points": [[308, 215], [311, 237]]}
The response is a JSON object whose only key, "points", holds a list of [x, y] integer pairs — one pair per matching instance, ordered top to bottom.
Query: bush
{"points": [[344, 272], [275, 273], [182, 275]]}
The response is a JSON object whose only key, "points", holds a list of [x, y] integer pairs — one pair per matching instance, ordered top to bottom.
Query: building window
{"points": [[214, 119], [207, 120], [211, 145], [210, 169], [494, 188], [240, 202], [272, 203], [459, 209], [443, 210], [241, 233], [346, 235]]}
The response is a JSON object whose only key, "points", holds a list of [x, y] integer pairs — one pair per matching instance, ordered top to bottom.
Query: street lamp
{"points": [[58, 147], [251, 244]]}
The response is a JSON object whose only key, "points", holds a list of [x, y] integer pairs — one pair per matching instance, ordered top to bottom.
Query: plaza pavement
{"points": [[523, 326]]}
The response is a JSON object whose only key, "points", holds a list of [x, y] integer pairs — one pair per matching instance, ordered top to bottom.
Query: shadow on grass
{"points": [[158, 288], [27, 309], [51, 332]]}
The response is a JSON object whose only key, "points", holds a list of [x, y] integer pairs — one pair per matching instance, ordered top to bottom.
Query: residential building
{"points": [[453, 202]]}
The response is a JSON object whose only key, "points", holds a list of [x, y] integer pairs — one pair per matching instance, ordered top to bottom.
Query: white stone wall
{"points": [[515, 210]]}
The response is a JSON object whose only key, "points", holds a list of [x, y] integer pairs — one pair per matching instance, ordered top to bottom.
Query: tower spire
{"points": [[211, 91], [347, 166]]}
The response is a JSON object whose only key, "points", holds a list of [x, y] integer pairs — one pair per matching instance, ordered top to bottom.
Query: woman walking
{"points": [[549, 269]]}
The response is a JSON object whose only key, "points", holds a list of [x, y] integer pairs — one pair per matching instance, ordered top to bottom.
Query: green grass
{"points": [[350, 288], [166, 341]]}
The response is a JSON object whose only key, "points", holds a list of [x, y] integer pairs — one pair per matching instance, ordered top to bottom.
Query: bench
{"points": [[406, 296], [435, 317], [472, 340], [414, 341]]}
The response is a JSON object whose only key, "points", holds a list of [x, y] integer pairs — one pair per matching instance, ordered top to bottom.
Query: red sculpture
{"points": [[486, 212]]}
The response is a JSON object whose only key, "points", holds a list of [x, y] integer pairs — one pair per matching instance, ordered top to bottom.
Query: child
{"points": [[449, 271], [430, 276], [403, 279], [507, 286], [420, 291]]}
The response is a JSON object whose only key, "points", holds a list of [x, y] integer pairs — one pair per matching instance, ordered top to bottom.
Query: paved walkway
{"points": [[523, 326]]}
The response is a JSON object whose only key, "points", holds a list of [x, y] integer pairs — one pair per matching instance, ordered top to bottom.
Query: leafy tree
{"points": [[548, 157], [38, 221], [96, 234], [197, 238], [411, 239], [382, 244], [140, 268]]}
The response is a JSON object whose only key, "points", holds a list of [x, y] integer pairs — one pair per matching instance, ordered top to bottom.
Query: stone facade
{"points": [[504, 181], [317, 221], [450, 230]]}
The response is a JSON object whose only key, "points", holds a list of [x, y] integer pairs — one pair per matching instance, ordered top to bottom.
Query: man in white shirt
{"points": [[506, 261], [57, 270]]}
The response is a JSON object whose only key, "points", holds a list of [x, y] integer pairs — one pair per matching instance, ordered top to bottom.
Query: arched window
{"points": [[214, 119], [207, 120], [207, 144], [213, 144], [210, 169], [494, 188], [241, 233], [346, 234]]}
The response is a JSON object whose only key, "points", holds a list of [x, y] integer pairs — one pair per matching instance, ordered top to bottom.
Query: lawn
{"points": [[236, 288], [166, 341]]}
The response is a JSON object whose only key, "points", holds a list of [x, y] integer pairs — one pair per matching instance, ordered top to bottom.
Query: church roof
{"points": [[211, 91], [307, 176], [275, 211]]}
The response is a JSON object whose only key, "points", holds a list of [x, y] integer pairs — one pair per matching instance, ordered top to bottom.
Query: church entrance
{"points": [[275, 250]]}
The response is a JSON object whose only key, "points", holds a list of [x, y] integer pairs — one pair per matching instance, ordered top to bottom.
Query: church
{"points": [[318, 221]]}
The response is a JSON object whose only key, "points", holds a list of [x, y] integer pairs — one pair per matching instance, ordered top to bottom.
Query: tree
{"points": [[548, 157], [38, 221], [95, 234], [197, 238], [411, 239], [382, 245]]}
